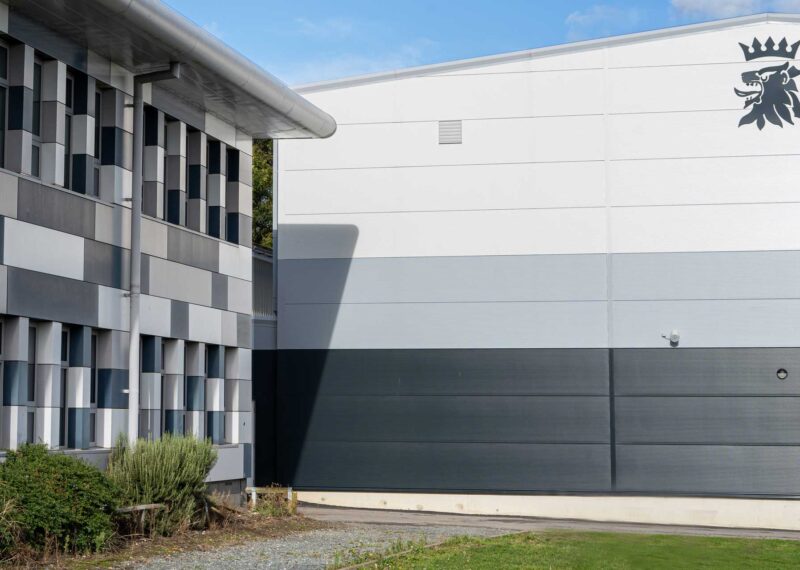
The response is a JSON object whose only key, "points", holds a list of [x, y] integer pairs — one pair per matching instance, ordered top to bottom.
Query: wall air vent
{"points": [[449, 132]]}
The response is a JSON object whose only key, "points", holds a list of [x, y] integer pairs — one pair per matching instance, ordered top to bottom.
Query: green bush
{"points": [[170, 471], [55, 502]]}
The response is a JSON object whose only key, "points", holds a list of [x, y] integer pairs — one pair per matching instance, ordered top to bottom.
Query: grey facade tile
{"points": [[55, 209], [192, 249], [106, 264], [219, 291], [50, 297], [179, 320], [244, 331], [112, 387]]}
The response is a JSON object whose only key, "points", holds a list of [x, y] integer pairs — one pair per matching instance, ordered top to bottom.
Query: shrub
{"points": [[170, 471], [55, 502]]}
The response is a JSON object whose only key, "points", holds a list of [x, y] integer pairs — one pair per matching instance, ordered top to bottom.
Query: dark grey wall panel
{"points": [[55, 209], [192, 249], [107, 265], [715, 275], [444, 279], [219, 291], [50, 297], [179, 319], [719, 371], [445, 372], [525, 419], [708, 420], [453, 466], [700, 469]]}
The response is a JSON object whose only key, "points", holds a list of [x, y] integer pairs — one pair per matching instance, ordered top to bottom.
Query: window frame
{"points": [[3, 102], [69, 110], [36, 119]]}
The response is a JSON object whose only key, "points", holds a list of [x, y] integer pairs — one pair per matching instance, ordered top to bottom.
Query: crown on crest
{"points": [[769, 49]]}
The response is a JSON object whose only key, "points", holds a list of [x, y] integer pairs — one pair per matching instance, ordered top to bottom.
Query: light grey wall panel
{"points": [[55, 209], [717, 275], [444, 279], [53, 298], [726, 323], [445, 325], [714, 372], [453, 418], [708, 420], [452, 466], [695, 469]]}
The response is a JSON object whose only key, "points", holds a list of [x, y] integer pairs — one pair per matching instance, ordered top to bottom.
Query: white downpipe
{"points": [[173, 72], [136, 262]]}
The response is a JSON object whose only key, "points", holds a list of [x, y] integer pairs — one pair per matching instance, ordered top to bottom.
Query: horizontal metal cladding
{"points": [[192, 249], [106, 264], [445, 279], [475, 372], [446, 416], [503, 467], [708, 469]]}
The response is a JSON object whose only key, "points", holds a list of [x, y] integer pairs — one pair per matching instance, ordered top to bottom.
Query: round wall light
{"points": [[782, 374]]}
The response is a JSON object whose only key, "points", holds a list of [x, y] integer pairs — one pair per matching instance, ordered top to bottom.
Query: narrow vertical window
{"points": [[3, 105], [98, 114], [36, 124], [68, 134]]}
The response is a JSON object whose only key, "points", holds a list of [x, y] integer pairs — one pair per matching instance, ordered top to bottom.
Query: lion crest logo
{"points": [[770, 92]]}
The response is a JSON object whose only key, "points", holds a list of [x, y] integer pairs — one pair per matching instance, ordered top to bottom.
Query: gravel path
{"points": [[314, 549]]}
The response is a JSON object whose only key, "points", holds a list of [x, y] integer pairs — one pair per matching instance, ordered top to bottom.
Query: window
{"points": [[3, 98], [37, 120], [98, 131], [68, 133], [93, 393], [31, 417], [62, 436]]}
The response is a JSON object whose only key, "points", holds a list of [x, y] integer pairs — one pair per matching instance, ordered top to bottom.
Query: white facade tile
{"points": [[41, 249]]}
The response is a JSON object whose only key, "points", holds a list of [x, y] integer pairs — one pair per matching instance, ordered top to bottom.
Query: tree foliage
{"points": [[262, 193]]}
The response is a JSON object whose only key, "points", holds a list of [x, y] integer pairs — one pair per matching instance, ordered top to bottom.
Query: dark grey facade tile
{"points": [[55, 209], [239, 229], [192, 249], [107, 265], [145, 274], [219, 290], [49, 297], [179, 319], [80, 346], [151, 353], [216, 361], [706, 371], [15, 383], [112, 388], [195, 393], [173, 421], [215, 427], [78, 428], [708, 469]]}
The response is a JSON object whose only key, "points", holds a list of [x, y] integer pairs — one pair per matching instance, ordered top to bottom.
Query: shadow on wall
{"points": [[285, 385]]}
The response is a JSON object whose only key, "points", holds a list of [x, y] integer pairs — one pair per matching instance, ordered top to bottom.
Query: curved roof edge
{"points": [[197, 44], [543, 51]]}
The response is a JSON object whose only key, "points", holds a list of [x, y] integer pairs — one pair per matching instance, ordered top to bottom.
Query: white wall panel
{"points": [[695, 134], [547, 139], [704, 181], [479, 187], [705, 228], [421, 234], [41, 249], [236, 261], [240, 296], [113, 308], [155, 316], [205, 324]]}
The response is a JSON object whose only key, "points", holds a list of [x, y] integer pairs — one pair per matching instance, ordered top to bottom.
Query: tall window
{"points": [[3, 98], [98, 117], [68, 132], [36, 147], [93, 394], [31, 417], [62, 436]]}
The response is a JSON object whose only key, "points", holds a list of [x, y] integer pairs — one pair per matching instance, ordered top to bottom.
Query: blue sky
{"points": [[302, 41]]}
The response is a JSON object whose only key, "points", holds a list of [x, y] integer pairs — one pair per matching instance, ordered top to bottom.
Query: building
{"points": [[69, 73], [565, 271]]}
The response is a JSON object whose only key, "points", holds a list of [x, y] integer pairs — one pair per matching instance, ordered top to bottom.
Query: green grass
{"points": [[595, 550]]}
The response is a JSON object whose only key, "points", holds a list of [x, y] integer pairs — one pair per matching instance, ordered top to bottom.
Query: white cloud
{"points": [[731, 8], [601, 20], [330, 28], [341, 65]]}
